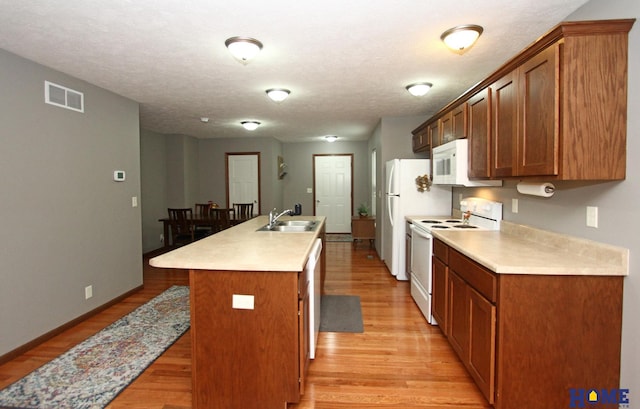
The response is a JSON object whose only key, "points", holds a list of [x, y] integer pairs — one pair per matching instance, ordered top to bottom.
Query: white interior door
{"points": [[243, 179], [332, 187]]}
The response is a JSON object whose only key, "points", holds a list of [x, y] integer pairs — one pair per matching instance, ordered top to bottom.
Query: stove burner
{"points": [[431, 221], [453, 221], [464, 226], [439, 227]]}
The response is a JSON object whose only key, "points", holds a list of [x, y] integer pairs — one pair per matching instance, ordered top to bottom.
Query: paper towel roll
{"points": [[536, 189]]}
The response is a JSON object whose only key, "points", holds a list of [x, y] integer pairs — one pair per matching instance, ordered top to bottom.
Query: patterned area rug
{"points": [[338, 237], [92, 373]]}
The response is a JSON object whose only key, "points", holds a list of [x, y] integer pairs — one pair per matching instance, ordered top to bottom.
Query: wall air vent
{"points": [[64, 97]]}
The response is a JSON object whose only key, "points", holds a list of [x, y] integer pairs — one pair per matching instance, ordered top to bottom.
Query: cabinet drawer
{"points": [[441, 251], [478, 277]]}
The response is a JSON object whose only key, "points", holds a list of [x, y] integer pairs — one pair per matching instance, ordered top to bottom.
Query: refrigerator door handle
{"points": [[390, 186], [389, 209]]}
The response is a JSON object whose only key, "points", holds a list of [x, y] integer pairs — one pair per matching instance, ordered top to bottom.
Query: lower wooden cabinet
{"points": [[527, 339]]}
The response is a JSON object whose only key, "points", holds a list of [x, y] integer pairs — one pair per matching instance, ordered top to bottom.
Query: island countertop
{"points": [[243, 248], [518, 249]]}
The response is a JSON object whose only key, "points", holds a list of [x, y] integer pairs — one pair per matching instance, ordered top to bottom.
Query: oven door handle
{"points": [[420, 233]]}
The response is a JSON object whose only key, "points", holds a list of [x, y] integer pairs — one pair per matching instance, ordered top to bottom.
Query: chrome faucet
{"points": [[274, 216]]}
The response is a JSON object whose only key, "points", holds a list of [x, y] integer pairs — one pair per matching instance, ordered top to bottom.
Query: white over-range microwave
{"points": [[450, 165]]}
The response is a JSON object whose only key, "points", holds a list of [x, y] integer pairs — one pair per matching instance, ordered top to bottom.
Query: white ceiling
{"points": [[347, 62]]}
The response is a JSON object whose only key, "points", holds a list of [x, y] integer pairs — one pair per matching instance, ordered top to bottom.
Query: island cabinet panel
{"points": [[543, 334], [245, 358]]}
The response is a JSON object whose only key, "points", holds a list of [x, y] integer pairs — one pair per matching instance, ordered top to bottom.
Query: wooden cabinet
{"points": [[558, 109], [525, 117], [479, 128], [433, 130], [420, 141], [363, 228], [440, 287], [524, 338], [243, 354]]}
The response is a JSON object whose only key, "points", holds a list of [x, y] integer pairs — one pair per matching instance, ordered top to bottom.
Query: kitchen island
{"points": [[249, 313], [535, 316]]}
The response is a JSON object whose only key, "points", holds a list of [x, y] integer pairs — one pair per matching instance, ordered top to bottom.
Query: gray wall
{"points": [[299, 160], [153, 175], [619, 223], [66, 224]]}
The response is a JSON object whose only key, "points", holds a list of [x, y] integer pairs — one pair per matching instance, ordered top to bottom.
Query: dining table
{"points": [[199, 221]]}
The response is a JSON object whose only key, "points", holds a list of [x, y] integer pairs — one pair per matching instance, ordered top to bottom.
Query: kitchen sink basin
{"points": [[292, 226]]}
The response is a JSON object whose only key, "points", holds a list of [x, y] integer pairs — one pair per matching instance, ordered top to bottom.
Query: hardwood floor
{"points": [[399, 361]]}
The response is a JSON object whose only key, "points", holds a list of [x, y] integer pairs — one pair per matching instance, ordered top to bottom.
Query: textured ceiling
{"points": [[346, 62]]}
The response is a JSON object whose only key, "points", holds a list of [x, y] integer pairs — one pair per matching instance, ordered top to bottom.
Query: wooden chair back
{"points": [[202, 210], [243, 211], [220, 219], [180, 220]]}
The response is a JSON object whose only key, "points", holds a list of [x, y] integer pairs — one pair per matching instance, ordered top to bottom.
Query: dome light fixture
{"points": [[460, 38], [243, 48], [419, 89], [278, 94], [250, 125], [331, 138]]}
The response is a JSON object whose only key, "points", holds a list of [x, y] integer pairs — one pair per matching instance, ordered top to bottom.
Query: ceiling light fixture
{"points": [[460, 38], [243, 48], [419, 89], [278, 94], [204, 120], [250, 125], [331, 138]]}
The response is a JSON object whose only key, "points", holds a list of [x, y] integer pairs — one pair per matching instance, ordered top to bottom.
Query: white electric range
{"points": [[477, 215]]}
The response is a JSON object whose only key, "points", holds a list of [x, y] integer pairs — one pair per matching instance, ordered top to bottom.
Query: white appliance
{"points": [[450, 165], [404, 199], [478, 214], [313, 271]]}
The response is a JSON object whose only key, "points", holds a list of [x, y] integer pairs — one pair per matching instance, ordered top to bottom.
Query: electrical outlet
{"points": [[134, 201], [514, 205], [592, 216], [88, 292]]}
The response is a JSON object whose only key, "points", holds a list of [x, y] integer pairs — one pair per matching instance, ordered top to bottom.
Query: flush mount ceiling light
{"points": [[460, 38], [243, 48], [419, 88], [278, 94], [204, 120], [250, 125], [331, 138]]}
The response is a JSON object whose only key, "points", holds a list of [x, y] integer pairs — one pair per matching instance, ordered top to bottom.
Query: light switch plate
{"points": [[514, 205], [592, 216]]}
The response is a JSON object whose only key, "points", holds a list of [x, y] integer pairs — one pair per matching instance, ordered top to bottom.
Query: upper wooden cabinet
{"points": [[558, 109], [479, 126], [420, 141]]}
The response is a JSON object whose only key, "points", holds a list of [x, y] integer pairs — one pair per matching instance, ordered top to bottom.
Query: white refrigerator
{"points": [[404, 199]]}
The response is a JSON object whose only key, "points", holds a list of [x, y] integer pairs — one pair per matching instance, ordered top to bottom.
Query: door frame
{"points": [[226, 174], [314, 178]]}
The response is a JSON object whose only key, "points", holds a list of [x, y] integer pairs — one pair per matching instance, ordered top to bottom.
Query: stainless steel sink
{"points": [[296, 223], [292, 226]]}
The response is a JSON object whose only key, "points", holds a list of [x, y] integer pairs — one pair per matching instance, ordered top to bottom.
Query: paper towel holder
{"points": [[536, 189]]}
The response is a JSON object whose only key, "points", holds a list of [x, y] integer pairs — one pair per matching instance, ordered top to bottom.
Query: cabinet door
{"points": [[539, 98], [459, 121], [479, 125], [504, 125], [446, 128], [434, 133], [439, 294], [458, 316], [482, 343]]}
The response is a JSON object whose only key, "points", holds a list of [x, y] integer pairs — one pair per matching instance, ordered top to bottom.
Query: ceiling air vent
{"points": [[64, 97]]}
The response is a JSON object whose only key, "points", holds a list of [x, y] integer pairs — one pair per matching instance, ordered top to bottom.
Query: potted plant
{"points": [[363, 210]]}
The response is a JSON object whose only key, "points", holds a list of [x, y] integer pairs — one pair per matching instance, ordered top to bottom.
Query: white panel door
{"points": [[243, 179], [333, 191]]}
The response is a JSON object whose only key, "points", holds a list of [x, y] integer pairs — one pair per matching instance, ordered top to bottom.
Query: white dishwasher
{"points": [[315, 295]]}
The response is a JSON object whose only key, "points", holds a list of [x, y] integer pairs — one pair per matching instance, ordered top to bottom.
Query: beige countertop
{"points": [[243, 248], [519, 249]]}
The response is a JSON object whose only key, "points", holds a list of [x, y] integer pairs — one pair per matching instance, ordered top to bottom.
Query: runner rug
{"points": [[92, 373]]}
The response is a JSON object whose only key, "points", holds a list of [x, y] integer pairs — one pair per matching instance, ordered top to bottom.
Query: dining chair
{"points": [[242, 212], [203, 214], [220, 219], [182, 229]]}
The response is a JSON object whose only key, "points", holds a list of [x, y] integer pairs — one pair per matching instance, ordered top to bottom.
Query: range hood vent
{"points": [[63, 97]]}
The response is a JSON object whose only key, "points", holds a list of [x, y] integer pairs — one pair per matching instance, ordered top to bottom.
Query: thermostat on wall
{"points": [[118, 175]]}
